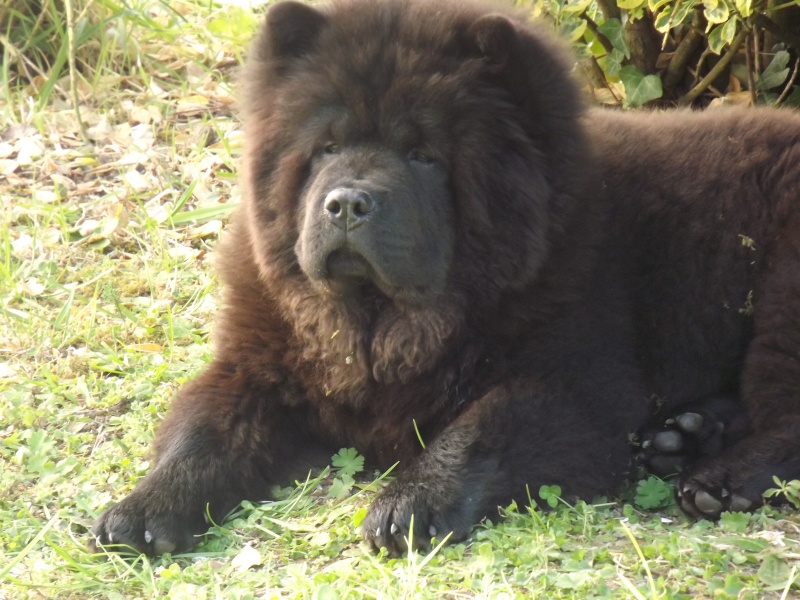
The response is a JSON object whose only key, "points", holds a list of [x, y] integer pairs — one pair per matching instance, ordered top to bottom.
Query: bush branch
{"points": [[609, 9], [592, 26], [779, 32], [749, 51], [682, 56], [790, 84], [702, 86]]}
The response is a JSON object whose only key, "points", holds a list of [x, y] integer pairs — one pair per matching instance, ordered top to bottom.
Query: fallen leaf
{"points": [[28, 150], [7, 167], [136, 180], [212, 228], [22, 247], [33, 287], [149, 348], [7, 371], [247, 558]]}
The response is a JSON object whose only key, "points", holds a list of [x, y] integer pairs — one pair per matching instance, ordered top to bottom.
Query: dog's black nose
{"points": [[348, 207]]}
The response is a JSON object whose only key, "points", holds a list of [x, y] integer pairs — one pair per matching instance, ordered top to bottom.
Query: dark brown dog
{"points": [[434, 231]]}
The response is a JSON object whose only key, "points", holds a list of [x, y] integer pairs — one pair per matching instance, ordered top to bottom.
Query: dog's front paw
{"points": [[406, 516], [150, 521]]}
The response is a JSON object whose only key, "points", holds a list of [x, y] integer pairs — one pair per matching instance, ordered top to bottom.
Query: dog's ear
{"points": [[291, 29], [494, 37], [529, 62]]}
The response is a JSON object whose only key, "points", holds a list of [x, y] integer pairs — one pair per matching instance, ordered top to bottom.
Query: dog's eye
{"points": [[331, 148], [420, 157]]}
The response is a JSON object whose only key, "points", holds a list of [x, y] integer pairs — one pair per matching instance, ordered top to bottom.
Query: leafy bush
{"points": [[683, 51]]}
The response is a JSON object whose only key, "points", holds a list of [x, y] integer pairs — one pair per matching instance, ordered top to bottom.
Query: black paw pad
{"points": [[692, 431], [679, 441], [703, 503]]}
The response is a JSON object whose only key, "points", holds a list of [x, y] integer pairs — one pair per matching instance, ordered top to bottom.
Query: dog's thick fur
{"points": [[434, 232]]}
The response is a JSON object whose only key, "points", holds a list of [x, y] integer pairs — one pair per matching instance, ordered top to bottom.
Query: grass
{"points": [[107, 294]]}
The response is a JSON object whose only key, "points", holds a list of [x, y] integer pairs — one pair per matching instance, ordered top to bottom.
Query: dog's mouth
{"points": [[348, 267], [349, 275]]}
